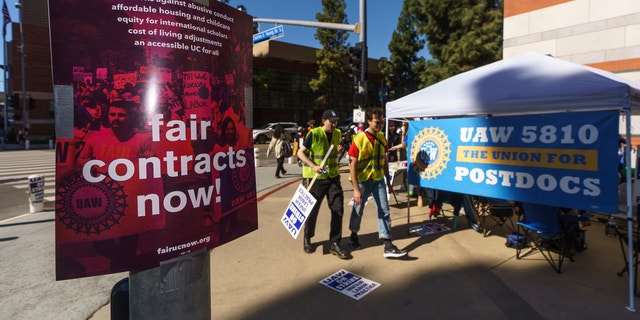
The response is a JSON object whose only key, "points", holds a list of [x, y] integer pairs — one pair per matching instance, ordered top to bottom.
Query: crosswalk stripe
{"points": [[17, 166]]}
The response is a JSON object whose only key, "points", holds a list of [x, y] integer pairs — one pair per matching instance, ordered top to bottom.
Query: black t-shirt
{"points": [[308, 140]]}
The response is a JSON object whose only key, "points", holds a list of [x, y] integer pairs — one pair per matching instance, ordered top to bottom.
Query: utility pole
{"points": [[362, 85], [25, 113]]}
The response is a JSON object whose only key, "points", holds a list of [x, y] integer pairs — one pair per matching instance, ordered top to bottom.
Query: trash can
{"points": [[36, 193]]}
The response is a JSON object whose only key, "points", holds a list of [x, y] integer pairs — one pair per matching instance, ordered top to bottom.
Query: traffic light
{"points": [[356, 54], [15, 101], [32, 103]]}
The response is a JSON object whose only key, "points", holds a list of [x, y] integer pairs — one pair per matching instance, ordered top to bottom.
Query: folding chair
{"points": [[496, 213], [543, 233], [574, 235], [623, 235]]}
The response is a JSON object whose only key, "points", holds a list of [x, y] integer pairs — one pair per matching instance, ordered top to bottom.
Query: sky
{"points": [[382, 19]]}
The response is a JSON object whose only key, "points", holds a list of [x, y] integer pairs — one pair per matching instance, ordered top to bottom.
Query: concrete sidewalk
{"points": [[266, 275], [454, 275]]}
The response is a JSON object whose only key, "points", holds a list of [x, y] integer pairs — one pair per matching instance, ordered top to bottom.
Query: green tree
{"points": [[462, 35], [403, 68], [331, 81]]}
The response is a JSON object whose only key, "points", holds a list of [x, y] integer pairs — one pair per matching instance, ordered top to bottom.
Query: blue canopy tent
{"points": [[529, 83]]}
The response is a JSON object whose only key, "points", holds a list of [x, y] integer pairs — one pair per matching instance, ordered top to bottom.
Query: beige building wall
{"points": [[601, 33], [604, 34]]}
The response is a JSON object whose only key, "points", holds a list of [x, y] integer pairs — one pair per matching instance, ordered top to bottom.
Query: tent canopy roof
{"points": [[527, 83]]}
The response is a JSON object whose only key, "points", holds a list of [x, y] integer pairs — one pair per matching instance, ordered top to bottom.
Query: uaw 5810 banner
{"points": [[153, 158], [561, 159]]}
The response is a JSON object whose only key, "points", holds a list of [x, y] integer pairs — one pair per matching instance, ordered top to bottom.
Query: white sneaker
{"points": [[394, 252]]}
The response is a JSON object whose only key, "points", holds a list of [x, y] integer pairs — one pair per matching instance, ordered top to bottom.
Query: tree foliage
{"points": [[462, 35], [401, 71], [331, 81]]}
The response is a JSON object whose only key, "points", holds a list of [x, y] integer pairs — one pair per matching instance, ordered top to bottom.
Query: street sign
{"points": [[269, 34], [383, 93]]}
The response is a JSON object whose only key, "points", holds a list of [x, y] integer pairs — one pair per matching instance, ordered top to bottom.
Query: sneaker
{"points": [[433, 212], [355, 242], [394, 252]]}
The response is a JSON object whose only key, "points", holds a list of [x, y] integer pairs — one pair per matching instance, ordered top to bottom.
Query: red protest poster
{"points": [[153, 158]]}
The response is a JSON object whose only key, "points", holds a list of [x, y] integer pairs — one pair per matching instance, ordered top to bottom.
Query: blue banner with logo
{"points": [[562, 159]]}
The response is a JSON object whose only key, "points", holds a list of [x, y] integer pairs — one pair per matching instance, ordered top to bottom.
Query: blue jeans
{"points": [[379, 191]]}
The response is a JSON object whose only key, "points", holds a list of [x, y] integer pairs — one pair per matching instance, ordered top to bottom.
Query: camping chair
{"points": [[495, 213], [570, 221], [543, 233], [623, 234]]}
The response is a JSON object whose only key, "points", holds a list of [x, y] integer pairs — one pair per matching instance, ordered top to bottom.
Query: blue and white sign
{"points": [[269, 34], [560, 159], [298, 211], [350, 284]]}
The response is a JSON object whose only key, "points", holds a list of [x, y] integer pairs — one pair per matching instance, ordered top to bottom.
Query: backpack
{"points": [[286, 150], [515, 240]]}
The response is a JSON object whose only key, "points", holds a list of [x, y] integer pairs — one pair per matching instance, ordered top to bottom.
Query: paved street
{"points": [[16, 166]]}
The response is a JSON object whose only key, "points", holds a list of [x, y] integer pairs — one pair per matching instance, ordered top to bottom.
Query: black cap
{"points": [[330, 115]]}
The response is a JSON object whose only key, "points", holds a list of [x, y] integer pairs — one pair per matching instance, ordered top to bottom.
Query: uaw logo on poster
{"points": [[430, 152]]}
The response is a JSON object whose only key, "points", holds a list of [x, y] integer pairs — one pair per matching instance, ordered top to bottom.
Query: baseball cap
{"points": [[330, 115]]}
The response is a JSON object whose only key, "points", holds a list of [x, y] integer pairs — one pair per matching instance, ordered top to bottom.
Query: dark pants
{"points": [[279, 166], [332, 189], [438, 197], [456, 200]]}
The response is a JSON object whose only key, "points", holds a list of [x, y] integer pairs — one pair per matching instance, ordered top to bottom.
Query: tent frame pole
{"points": [[627, 155]]}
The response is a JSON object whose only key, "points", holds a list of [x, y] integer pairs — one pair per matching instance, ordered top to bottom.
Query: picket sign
{"points": [[301, 205]]}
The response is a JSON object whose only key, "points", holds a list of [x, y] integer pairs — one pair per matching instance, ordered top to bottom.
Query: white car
{"points": [[263, 134]]}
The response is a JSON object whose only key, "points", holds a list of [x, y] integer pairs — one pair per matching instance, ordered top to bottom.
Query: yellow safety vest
{"points": [[319, 147], [371, 158]]}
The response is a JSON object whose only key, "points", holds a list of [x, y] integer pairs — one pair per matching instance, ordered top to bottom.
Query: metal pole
{"points": [[316, 24], [362, 86], [6, 90], [382, 93], [25, 113], [627, 161], [179, 288]]}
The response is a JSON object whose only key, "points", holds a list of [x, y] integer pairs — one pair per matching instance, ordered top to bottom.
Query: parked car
{"points": [[345, 124], [263, 134]]}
